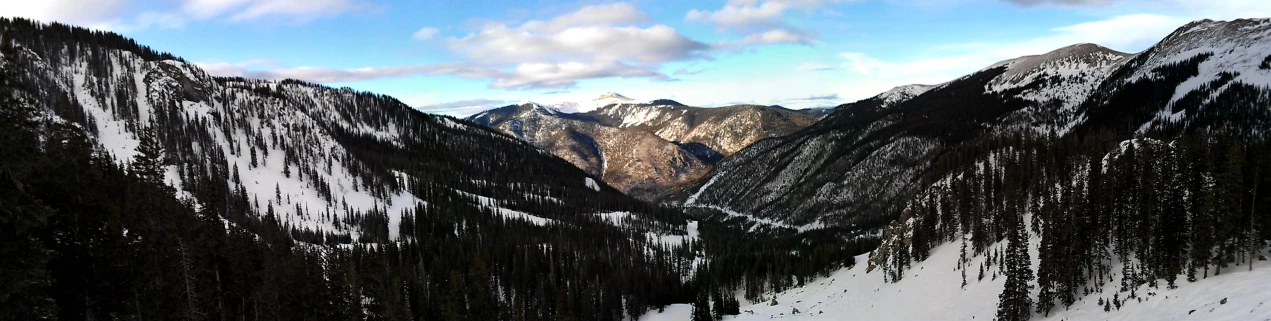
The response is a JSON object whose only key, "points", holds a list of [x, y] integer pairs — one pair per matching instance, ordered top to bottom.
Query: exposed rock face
{"points": [[645, 149]]}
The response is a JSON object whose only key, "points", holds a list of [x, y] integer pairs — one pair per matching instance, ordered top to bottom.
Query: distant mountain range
{"points": [[646, 149]]}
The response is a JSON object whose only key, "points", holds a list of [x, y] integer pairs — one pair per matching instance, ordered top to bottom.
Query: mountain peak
{"points": [[1082, 53], [903, 93], [613, 96], [538, 108]]}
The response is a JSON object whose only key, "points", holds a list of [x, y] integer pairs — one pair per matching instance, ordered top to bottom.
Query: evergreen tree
{"points": [[147, 164], [1014, 302], [702, 308]]}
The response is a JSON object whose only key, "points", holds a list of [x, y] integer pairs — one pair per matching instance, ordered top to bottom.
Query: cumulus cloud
{"points": [[1067, 3], [241, 10], [100, 14], [122, 15], [593, 15], [760, 21], [425, 33], [776, 36], [594, 41], [655, 44], [813, 66], [685, 71], [523, 76], [818, 98], [462, 107]]}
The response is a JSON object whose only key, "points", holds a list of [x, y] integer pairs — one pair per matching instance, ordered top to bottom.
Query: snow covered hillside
{"points": [[606, 99], [323, 161], [859, 165], [931, 290]]}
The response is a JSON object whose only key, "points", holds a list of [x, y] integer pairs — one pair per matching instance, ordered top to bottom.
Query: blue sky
{"points": [[459, 57]]}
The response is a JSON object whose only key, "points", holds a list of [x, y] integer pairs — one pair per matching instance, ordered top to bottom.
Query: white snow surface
{"points": [[1237, 46], [902, 93], [606, 99], [591, 183], [931, 290], [674, 312]]}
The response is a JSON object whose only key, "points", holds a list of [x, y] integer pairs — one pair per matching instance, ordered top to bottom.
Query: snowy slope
{"points": [[1203, 73], [1055, 82], [900, 94], [606, 99], [324, 157], [866, 158], [931, 290]]}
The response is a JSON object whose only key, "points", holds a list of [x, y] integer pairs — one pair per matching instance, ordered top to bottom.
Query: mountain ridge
{"points": [[826, 165]]}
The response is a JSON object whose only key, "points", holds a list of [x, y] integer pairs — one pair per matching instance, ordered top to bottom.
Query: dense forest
{"points": [[1150, 210]]}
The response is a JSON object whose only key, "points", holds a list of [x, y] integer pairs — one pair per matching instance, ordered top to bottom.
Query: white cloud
{"points": [[1068, 3], [242, 10], [99, 14], [116, 14], [594, 15], [760, 21], [425, 33], [776, 36], [595, 41], [598, 41], [503, 44], [813, 66], [541, 75], [463, 107]]}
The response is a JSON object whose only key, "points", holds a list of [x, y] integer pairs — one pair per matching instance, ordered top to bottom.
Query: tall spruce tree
{"points": [[147, 164], [1014, 303]]}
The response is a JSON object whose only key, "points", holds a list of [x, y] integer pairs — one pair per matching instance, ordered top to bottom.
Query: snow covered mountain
{"points": [[1207, 74], [606, 99], [725, 130], [644, 149], [864, 161], [636, 162], [1078, 184]]}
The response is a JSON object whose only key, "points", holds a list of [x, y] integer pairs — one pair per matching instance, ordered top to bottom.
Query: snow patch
{"points": [[591, 183]]}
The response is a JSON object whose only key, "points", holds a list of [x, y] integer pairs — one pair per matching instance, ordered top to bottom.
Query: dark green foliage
{"points": [[147, 164], [1179, 206], [1014, 302], [702, 308]]}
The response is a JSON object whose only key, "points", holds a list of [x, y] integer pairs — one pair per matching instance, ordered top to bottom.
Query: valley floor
{"points": [[932, 290]]}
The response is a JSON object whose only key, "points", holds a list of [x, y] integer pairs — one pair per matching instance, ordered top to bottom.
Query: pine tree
{"points": [[147, 164], [1014, 303], [717, 306], [702, 308]]}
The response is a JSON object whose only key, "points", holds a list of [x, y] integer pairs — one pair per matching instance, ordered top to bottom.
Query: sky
{"points": [[461, 57]]}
